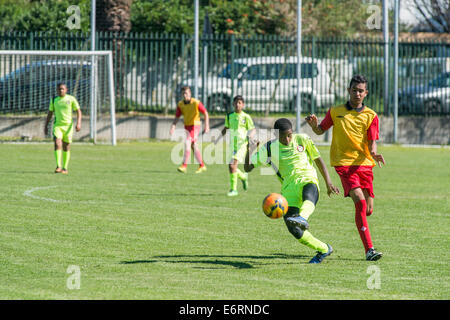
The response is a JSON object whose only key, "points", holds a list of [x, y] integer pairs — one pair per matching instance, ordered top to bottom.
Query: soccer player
{"points": [[62, 106], [191, 108], [241, 129], [354, 152], [291, 157]]}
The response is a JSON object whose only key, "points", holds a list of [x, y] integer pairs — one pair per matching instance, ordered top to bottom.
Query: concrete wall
{"points": [[411, 130]]}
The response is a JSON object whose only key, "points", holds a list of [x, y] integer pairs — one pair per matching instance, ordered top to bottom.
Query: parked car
{"points": [[268, 82], [31, 86], [433, 98]]}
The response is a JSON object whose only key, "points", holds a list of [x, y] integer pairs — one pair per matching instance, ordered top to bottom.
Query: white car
{"points": [[268, 82]]}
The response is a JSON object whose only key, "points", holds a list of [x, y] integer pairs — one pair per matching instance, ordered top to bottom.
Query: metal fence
{"points": [[149, 70]]}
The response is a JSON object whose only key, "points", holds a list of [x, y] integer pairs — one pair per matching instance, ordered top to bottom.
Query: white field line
{"points": [[29, 193]]}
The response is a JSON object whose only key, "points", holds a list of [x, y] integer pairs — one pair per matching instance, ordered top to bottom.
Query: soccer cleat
{"points": [[182, 169], [201, 169], [58, 170], [64, 171], [245, 182], [232, 193], [298, 222], [373, 255], [318, 258]]}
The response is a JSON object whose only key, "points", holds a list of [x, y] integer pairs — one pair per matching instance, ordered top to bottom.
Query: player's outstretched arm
{"points": [[79, 116], [47, 121], [206, 121], [174, 124], [314, 124], [222, 133], [373, 151], [247, 165], [324, 172]]}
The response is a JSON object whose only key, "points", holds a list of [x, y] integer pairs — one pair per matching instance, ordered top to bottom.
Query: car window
{"points": [[419, 69], [308, 70], [226, 72], [255, 72], [442, 81]]}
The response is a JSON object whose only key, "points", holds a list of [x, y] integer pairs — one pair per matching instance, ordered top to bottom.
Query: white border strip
{"points": [[29, 193]]}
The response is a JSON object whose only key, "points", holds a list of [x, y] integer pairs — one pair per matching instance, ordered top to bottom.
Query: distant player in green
{"points": [[62, 106], [241, 129], [291, 157]]}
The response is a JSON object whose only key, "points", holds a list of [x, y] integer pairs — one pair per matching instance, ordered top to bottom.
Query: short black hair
{"points": [[359, 78], [61, 84], [184, 88], [238, 98], [282, 124]]}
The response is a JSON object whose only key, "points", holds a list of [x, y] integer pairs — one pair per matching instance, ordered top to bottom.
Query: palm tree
{"points": [[114, 16]]}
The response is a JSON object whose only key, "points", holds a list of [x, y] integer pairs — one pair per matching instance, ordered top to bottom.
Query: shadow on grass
{"points": [[221, 261]]}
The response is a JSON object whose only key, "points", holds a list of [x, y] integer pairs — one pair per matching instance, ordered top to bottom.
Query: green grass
{"points": [[138, 229]]}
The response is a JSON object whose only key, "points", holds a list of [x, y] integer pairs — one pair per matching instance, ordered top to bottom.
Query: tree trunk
{"points": [[114, 16]]}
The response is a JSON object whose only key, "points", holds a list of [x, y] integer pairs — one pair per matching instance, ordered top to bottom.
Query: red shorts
{"points": [[192, 132], [356, 177]]}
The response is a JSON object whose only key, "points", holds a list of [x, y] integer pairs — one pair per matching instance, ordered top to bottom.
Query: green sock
{"points": [[58, 157], [66, 159], [241, 175], [233, 181], [307, 209], [308, 240]]}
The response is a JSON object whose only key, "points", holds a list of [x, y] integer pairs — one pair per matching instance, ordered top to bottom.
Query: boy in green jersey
{"points": [[62, 106], [241, 129], [291, 157]]}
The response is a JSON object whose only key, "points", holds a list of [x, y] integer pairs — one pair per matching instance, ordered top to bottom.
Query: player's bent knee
{"points": [[310, 192], [295, 231]]}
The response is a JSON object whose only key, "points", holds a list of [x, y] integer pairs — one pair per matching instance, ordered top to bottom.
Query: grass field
{"points": [[138, 229]]}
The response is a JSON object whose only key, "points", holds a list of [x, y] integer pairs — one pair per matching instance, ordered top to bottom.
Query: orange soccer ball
{"points": [[275, 205]]}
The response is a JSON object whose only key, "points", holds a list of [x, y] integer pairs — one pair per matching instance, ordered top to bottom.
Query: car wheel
{"points": [[219, 103], [432, 107]]}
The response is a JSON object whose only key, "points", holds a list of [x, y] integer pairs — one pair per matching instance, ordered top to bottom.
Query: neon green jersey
{"points": [[63, 107], [239, 124], [291, 162]]}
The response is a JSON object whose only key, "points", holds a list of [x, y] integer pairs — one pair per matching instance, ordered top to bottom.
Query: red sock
{"points": [[187, 155], [198, 156], [369, 213], [361, 224]]}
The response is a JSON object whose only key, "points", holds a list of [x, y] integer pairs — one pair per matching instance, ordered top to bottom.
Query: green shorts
{"points": [[64, 133], [238, 153], [294, 190]]}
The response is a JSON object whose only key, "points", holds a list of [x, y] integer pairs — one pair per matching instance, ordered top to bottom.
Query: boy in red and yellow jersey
{"points": [[191, 108], [353, 153]]}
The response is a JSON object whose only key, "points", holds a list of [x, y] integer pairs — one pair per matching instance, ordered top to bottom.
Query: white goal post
{"points": [[28, 80]]}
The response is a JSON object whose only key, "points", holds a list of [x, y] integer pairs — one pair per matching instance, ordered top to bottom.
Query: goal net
{"points": [[28, 81]]}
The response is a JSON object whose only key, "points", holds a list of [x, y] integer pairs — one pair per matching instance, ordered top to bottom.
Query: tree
{"points": [[434, 13], [52, 15], [114, 15]]}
